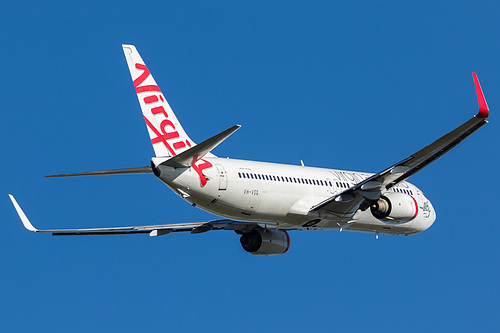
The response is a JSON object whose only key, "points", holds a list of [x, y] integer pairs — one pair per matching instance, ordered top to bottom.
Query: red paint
{"points": [[142, 78], [147, 88], [151, 99], [158, 110], [484, 112], [162, 135], [168, 135], [159, 137], [179, 145], [199, 169], [416, 207], [288, 242]]}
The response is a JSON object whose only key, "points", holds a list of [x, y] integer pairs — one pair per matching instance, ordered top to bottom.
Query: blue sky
{"points": [[354, 85]]}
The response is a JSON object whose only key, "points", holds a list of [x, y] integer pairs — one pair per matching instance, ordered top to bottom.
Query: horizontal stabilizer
{"points": [[194, 154], [126, 171]]}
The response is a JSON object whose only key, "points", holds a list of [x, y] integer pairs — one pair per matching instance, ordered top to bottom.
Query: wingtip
{"points": [[484, 112], [27, 224]]}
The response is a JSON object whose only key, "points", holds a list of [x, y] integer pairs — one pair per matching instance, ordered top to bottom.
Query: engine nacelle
{"points": [[395, 208], [265, 242]]}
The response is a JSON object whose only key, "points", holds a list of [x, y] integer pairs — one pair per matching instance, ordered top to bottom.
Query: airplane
{"points": [[261, 201]]}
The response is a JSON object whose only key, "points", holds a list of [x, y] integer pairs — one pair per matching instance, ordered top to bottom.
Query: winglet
{"points": [[484, 112], [27, 224]]}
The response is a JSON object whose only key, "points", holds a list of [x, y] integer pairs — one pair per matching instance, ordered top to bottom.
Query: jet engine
{"points": [[395, 208], [265, 242]]}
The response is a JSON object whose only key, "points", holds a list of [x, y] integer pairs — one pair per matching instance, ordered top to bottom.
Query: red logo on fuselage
{"points": [[167, 129]]}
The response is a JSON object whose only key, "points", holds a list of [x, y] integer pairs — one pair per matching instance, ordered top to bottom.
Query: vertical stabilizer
{"points": [[166, 133]]}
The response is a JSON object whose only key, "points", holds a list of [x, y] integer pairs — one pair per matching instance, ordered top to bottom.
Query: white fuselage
{"points": [[284, 194]]}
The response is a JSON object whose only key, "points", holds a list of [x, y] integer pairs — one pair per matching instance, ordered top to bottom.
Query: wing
{"points": [[346, 203], [152, 230]]}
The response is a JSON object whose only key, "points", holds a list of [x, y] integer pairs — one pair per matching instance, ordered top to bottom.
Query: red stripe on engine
{"points": [[416, 208], [288, 242]]}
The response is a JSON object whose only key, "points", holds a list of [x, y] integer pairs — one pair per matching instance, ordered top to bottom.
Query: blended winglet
{"points": [[484, 112], [27, 224]]}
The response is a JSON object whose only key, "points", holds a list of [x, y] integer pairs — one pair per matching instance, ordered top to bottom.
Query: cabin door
{"points": [[222, 177]]}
